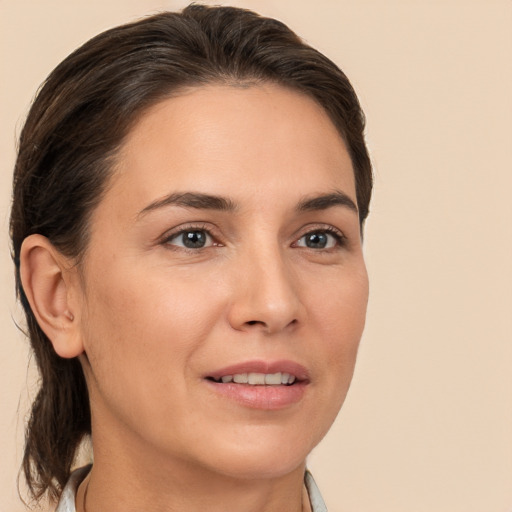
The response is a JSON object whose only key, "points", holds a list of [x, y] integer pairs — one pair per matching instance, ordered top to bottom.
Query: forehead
{"points": [[227, 139]]}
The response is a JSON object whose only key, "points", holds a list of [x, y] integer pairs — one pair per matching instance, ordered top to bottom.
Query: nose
{"points": [[266, 295]]}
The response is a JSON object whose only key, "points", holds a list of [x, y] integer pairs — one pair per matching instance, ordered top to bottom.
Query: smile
{"points": [[258, 379], [259, 384]]}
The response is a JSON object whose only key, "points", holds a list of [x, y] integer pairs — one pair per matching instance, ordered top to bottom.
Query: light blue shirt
{"points": [[67, 499]]}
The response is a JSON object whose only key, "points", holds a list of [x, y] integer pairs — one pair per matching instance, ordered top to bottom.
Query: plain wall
{"points": [[427, 426]]}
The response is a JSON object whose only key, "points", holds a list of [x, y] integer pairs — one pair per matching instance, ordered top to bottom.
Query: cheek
{"points": [[148, 305], [340, 305], [339, 313], [336, 318], [141, 331]]}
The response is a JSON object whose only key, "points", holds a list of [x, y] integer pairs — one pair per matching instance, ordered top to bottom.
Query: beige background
{"points": [[427, 426]]}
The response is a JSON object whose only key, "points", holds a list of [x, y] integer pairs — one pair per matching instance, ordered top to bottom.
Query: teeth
{"points": [[256, 378], [273, 378], [287, 378], [259, 379]]}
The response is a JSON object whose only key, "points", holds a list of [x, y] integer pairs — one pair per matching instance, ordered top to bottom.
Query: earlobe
{"points": [[47, 282]]}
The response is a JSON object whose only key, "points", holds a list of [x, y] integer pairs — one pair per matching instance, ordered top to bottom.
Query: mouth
{"points": [[258, 379], [260, 384]]}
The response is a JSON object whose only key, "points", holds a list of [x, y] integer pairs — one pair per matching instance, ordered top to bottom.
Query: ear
{"points": [[51, 282]]}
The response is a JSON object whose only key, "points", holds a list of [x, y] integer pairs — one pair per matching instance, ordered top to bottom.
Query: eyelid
{"points": [[183, 228], [323, 228], [211, 232]]}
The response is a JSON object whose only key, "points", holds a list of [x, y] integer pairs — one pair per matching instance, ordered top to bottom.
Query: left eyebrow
{"points": [[193, 200], [325, 201]]}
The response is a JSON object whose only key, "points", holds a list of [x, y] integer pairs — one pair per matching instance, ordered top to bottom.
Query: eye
{"points": [[191, 239], [320, 239]]}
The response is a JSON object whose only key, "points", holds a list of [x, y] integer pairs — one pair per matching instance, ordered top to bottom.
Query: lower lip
{"points": [[261, 397]]}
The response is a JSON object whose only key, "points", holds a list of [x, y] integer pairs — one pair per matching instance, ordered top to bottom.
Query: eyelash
{"points": [[185, 229], [335, 233]]}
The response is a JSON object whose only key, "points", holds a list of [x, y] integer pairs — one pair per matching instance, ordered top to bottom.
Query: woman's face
{"points": [[227, 248]]}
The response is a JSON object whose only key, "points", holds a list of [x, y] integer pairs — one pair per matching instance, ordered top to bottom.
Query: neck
{"points": [[129, 480], [99, 492]]}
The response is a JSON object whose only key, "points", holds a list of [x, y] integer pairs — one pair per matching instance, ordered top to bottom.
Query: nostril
{"points": [[259, 322]]}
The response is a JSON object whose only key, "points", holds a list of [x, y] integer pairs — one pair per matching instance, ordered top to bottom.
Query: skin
{"points": [[151, 318]]}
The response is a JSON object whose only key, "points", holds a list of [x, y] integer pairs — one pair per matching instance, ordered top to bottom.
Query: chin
{"points": [[265, 456], [260, 467]]}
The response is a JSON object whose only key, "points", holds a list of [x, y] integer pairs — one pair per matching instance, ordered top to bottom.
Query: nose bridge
{"points": [[267, 295]]}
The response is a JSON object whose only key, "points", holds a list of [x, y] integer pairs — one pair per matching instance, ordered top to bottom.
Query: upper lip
{"points": [[262, 366]]}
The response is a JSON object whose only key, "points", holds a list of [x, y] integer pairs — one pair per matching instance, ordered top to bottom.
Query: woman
{"points": [[189, 197]]}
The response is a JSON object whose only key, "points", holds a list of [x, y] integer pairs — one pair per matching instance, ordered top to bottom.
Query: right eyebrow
{"points": [[194, 200], [323, 202]]}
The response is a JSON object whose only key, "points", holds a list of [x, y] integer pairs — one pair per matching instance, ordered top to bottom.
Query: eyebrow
{"points": [[191, 200], [202, 201], [325, 201]]}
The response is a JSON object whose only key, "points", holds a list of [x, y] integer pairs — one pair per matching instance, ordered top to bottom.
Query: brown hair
{"points": [[77, 123]]}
